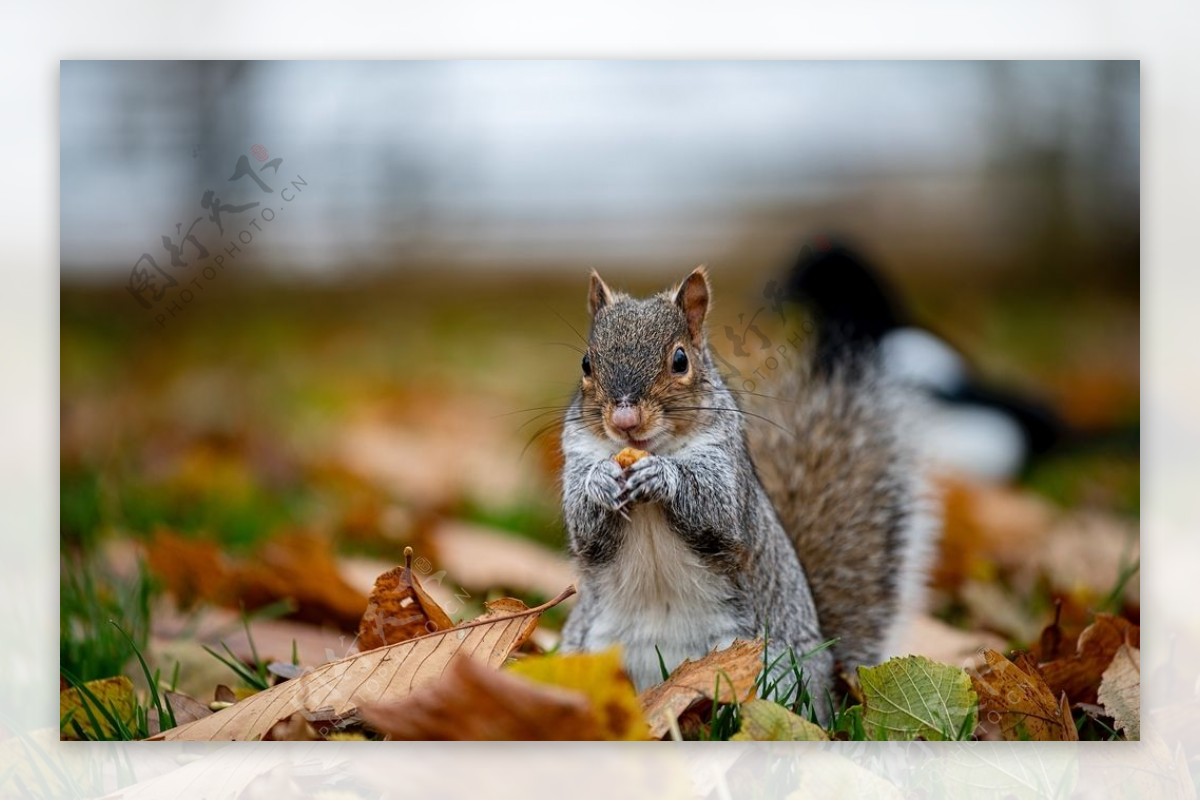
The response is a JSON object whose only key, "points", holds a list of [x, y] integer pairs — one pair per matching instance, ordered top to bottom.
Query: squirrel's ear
{"points": [[599, 295], [692, 297]]}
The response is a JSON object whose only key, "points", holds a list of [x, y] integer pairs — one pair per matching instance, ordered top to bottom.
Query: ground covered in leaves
{"points": [[289, 513]]}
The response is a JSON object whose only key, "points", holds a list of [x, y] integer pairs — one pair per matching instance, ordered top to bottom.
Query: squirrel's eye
{"points": [[679, 362], [587, 364]]}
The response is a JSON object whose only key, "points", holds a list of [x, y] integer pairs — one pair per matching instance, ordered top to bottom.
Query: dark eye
{"points": [[679, 362], [587, 364]]}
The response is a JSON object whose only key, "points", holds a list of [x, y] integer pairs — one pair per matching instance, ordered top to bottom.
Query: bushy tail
{"points": [[846, 485]]}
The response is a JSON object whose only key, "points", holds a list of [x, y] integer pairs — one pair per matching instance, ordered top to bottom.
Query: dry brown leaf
{"points": [[987, 527], [297, 566], [301, 567], [192, 570], [399, 609], [737, 668], [384, 674], [1079, 675], [1121, 691], [475, 702], [1016, 704], [185, 708], [1067, 719], [294, 727]]}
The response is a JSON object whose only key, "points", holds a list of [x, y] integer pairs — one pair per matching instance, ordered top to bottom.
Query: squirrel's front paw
{"points": [[653, 478], [603, 484]]}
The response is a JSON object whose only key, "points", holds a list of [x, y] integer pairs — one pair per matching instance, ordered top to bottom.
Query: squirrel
{"points": [[812, 533]]}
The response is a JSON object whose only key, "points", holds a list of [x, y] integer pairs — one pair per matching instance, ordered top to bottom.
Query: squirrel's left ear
{"points": [[692, 297]]}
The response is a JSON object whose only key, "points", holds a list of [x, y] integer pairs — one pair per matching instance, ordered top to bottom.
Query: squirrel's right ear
{"points": [[599, 295], [692, 297]]}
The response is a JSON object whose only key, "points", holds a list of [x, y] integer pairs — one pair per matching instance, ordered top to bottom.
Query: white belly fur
{"points": [[658, 593]]}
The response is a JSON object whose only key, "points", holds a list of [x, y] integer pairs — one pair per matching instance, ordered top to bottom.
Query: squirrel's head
{"points": [[647, 364]]}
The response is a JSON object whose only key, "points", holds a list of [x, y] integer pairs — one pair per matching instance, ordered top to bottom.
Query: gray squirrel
{"points": [[813, 531]]}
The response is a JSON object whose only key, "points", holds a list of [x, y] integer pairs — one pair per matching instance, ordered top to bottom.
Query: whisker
{"points": [[568, 345], [733, 411]]}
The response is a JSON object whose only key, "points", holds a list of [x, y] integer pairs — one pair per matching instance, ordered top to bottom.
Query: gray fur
{"points": [[685, 550]]}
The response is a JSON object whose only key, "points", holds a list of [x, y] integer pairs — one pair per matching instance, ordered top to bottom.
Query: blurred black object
{"points": [[972, 425]]}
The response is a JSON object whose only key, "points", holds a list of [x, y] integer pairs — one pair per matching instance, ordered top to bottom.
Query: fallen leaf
{"points": [[987, 527], [296, 566], [301, 567], [190, 569], [399, 609], [384, 674], [1079, 675], [726, 676], [601, 678], [1121, 691], [113, 694], [911, 696], [475, 702], [1016, 704], [183, 707], [1067, 719], [767, 720], [294, 727]]}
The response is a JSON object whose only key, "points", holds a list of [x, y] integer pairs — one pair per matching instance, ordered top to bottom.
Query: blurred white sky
{"points": [[540, 162]]}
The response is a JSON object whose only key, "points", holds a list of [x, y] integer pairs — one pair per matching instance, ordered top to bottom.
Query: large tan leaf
{"points": [[384, 674], [726, 676], [1121, 691], [1016, 704]]}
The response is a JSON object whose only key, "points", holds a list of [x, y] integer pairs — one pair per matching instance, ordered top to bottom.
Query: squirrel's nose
{"points": [[626, 417]]}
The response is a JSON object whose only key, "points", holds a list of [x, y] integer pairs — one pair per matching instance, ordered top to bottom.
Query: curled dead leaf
{"points": [[399, 609], [1079, 675], [726, 676]]}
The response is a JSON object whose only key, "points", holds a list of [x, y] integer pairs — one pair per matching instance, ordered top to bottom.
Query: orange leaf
{"points": [[399, 609], [734, 670], [1079, 675], [474, 702], [1016, 704]]}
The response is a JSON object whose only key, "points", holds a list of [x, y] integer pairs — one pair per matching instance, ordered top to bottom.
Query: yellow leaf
{"points": [[601, 679], [115, 695], [767, 720]]}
